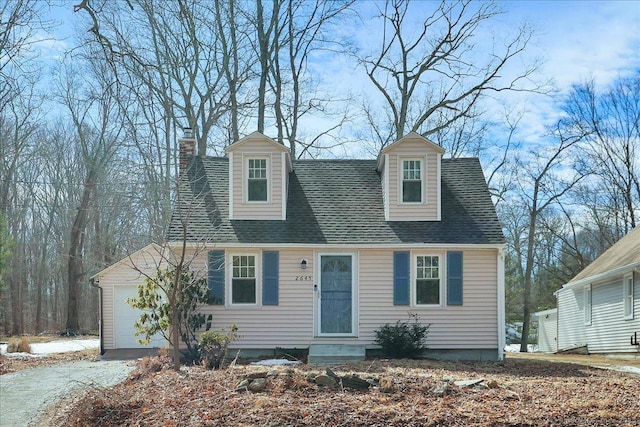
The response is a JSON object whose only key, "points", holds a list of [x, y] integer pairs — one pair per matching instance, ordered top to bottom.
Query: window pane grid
{"points": [[257, 180], [412, 181], [244, 267], [427, 280]]}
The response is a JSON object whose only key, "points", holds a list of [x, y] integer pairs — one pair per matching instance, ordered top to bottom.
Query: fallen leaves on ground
{"points": [[10, 364], [524, 392]]}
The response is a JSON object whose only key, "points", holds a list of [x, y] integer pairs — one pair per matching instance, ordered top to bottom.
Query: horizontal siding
{"points": [[272, 210], [426, 211], [127, 273], [291, 323], [571, 328], [609, 332], [548, 333]]}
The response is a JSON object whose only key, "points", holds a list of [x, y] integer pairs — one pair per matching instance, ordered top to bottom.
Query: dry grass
{"points": [[19, 345], [14, 364], [529, 392]]}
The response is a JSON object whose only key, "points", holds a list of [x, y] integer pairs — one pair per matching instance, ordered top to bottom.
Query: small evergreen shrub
{"points": [[404, 339], [214, 346]]}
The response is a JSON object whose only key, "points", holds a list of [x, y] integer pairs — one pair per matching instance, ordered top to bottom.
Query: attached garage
{"points": [[118, 283], [125, 317]]}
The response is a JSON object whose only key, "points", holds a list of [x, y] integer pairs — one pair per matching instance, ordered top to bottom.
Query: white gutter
{"points": [[364, 245], [619, 271]]}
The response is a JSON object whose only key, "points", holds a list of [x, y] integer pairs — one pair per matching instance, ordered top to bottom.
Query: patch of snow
{"points": [[63, 346], [515, 348], [276, 362], [619, 368]]}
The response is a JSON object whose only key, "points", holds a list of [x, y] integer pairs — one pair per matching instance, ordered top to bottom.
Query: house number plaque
{"points": [[303, 278]]}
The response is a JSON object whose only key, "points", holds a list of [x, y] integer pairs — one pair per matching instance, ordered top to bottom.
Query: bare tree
{"points": [[432, 78], [91, 110], [611, 121], [545, 177]]}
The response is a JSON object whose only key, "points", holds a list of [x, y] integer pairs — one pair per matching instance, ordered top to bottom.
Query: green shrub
{"points": [[404, 339], [214, 346]]}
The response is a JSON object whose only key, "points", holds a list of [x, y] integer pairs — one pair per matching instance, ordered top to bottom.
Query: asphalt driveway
{"points": [[25, 394]]}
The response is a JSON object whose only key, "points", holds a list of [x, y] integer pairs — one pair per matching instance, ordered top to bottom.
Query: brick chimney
{"points": [[187, 146]]}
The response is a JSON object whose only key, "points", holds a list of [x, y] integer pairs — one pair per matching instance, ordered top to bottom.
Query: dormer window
{"points": [[257, 180], [412, 181]]}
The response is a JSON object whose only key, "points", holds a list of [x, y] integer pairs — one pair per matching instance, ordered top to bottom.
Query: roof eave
{"points": [[618, 271]]}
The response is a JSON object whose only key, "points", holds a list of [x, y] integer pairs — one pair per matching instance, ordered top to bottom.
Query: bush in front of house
{"points": [[405, 339], [214, 346]]}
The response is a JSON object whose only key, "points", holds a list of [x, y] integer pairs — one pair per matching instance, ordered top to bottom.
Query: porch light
{"points": [[303, 264]]}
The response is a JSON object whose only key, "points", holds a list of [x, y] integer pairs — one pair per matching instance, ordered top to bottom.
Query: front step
{"points": [[336, 353]]}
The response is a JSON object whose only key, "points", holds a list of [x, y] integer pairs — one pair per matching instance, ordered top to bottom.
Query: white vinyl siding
{"points": [[609, 332]]}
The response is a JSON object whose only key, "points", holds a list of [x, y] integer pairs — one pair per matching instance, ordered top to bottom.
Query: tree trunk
{"points": [[75, 265]]}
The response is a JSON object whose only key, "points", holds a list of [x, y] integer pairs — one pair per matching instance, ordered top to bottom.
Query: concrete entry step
{"points": [[336, 353]]}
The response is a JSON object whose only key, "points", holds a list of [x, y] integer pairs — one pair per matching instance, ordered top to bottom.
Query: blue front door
{"points": [[336, 294]]}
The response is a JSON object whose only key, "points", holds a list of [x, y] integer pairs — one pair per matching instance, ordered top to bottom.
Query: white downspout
{"points": [[501, 302]]}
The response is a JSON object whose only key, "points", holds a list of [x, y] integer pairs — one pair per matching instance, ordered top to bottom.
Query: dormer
{"points": [[410, 173], [258, 178]]}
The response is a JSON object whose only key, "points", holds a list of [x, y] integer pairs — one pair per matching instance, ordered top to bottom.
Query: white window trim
{"points": [[245, 177], [423, 179], [414, 278], [229, 279], [587, 295], [628, 295]]}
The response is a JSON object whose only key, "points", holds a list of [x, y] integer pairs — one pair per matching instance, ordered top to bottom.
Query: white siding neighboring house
{"points": [[309, 252], [600, 307], [547, 330]]}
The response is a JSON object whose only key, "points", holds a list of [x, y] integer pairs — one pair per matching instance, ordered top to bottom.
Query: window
{"points": [[411, 181], [257, 188], [243, 280], [427, 280], [628, 296], [587, 305]]}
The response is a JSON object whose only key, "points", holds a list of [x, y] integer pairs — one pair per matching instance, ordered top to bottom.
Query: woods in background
{"points": [[88, 154]]}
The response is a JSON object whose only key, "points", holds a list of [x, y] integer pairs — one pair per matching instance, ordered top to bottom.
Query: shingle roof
{"points": [[336, 201], [625, 251]]}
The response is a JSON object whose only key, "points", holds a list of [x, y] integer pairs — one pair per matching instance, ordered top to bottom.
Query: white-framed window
{"points": [[412, 181], [257, 183], [244, 284], [427, 286], [627, 286], [587, 304]]}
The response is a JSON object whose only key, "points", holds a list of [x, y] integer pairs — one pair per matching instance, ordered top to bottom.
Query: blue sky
{"points": [[576, 40]]}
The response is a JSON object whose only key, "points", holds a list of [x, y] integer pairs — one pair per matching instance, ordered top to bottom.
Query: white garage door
{"points": [[125, 318]]}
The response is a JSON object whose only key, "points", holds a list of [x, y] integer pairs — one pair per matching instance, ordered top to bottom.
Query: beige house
{"points": [[319, 254]]}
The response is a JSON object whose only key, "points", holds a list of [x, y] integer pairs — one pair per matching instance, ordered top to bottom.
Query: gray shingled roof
{"points": [[336, 201]]}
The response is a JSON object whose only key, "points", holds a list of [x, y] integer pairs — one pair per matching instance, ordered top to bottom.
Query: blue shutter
{"points": [[270, 278], [401, 278], [454, 278], [215, 280]]}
